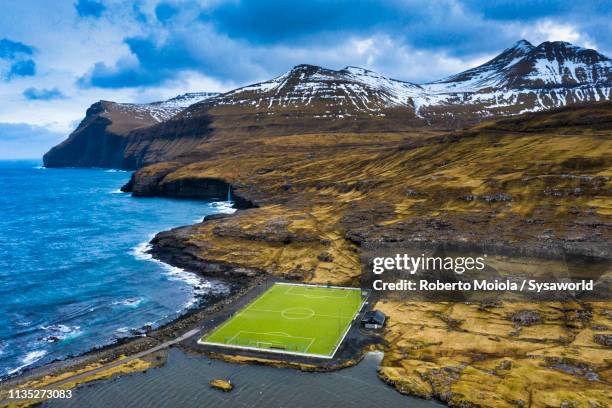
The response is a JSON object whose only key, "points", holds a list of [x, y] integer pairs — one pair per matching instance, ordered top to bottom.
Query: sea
{"points": [[74, 272], [183, 382]]}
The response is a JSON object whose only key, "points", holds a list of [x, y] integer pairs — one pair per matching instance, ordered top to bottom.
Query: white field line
{"points": [[315, 286], [289, 291], [247, 307], [239, 313], [314, 315], [348, 328], [277, 334], [288, 336], [233, 337], [308, 348], [292, 353]]}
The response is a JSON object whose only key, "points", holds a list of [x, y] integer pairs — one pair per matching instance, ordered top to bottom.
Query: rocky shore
{"points": [[532, 191], [536, 200]]}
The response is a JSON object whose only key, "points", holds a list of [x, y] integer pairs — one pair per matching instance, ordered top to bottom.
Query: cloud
{"points": [[90, 8], [507, 10], [165, 11], [276, 21], [439, 24], [547, 30], [248, 40], [12, 49], [154, 49], [17, 59], [154, 61], [23, 68], [43, 94], [25, 141]]}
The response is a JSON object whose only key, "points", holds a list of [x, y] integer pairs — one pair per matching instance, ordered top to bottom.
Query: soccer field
{"points": [[292, 319]]}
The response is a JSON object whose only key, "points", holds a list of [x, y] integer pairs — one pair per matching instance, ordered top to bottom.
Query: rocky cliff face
{"points": [[311, 99], [104, 137]]}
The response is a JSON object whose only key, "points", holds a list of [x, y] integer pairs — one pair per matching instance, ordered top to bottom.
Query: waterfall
{"points": [[229, 193]]}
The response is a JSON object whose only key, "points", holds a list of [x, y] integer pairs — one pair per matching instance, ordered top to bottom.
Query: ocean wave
{"points": [[39, 167], [115, 171], [117, 191], [223, 207], [141, 251], [199, 286], [131, 302], [59, 332], [28, 359]]}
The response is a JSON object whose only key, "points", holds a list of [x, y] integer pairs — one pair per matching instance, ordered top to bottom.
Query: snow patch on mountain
{"points": [[521, 78], [164, 110]]}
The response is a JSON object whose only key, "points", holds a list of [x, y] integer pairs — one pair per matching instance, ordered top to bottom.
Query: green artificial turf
{"points": [[293, 319]]}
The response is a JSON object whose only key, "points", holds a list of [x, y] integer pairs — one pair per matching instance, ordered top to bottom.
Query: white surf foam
{"points": [[117, 191], [223, 207], [198, 285], [130, 302], [60, 332], [29, 359]]}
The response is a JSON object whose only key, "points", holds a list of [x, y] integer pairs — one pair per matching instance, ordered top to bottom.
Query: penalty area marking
{"points": [[291, 291], [263, 334]]}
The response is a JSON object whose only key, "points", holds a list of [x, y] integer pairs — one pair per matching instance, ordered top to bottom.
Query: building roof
{"points": [[374, 315]]}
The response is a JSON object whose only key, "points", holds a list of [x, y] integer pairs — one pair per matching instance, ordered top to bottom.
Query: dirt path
{"points": [[110, 365]]}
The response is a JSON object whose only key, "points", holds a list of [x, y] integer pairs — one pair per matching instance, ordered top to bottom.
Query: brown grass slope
{"points": [[533, 189]]}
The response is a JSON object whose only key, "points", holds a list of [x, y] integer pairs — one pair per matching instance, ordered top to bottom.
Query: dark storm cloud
{"points": [[191, 36]]}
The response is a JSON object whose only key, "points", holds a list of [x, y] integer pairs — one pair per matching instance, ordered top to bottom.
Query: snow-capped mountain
{"points": [[496, 73], [522, 78], [526, 78], [347, 92], [311, 99], [162, 110]]}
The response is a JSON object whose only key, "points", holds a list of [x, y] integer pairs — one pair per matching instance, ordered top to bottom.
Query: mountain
{"points": [[523, 78], [350, 91], [311, 99], [100, 140]]}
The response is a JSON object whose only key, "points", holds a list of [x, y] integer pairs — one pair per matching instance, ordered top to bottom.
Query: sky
{"points": [[57, 58]]}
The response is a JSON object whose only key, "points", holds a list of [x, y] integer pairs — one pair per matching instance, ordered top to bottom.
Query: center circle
{"points": [[295, 313]]}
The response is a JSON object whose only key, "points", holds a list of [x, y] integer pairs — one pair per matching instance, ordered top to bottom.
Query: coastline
{"points": [[212, 308], [429, 348]]}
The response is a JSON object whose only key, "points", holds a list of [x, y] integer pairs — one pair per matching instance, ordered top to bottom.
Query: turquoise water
{"points": [[73, 271]]}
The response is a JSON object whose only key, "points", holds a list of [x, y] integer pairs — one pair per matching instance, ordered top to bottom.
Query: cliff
{"points": [[309, 99], [111, 135], [532, 191]]}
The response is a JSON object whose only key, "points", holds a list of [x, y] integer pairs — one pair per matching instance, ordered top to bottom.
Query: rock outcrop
{"points": [[104, 137]]}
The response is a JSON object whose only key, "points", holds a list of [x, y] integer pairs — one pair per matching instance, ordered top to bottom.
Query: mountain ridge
{"points": [[309, 98]]}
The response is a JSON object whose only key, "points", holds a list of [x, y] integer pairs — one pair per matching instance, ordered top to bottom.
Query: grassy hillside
{"points": [[534, 191]]}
